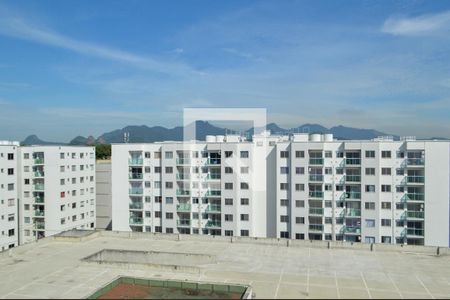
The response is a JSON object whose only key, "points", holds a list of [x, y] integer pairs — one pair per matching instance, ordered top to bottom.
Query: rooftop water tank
{"points": [[315, 137], [328, 137], [220, 138], [210, 139]]}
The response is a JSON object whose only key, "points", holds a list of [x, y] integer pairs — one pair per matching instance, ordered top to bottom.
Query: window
{"points": [[228, 154], [244, 154], [284, 154], [299, 154], [328, 154], [370, 154], [385, 154], [27, 155], [147, 155], [157, 155], [168, 155], [10, 156], [157, 169], [169, 170], [228, 170], [244, 170], [284, 170], [300, 170], [10, 171], [328, 171], [370, 171], [385, 171], [400, 172], [27, 181], [157, 184], [169, 184], [228, 185], [10, 186], [244, 186], [284, 186], [299, 187], [370, 188], [386, 188], [63, 194], [158, 199], [169, 200], [228, 201], [245, 201], [284, 202], [299, 203], [328, 203], [369, 205], [385, 205], [157, 214], [169, 216], [244, 217], [228, 218], [284, 219], [299, 220], [328, 220], [386, 222], [370, 223], [158, 229], [169, 230], [228, 232], [244, 232], [284, 234], [299, 236], [386, 239], [369, 240]]}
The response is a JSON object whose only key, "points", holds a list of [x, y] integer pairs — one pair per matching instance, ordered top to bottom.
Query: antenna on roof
{"points": [[126, 137]]}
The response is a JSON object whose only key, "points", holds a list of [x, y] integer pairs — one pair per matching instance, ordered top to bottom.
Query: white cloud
{"points": [[420, 25]]}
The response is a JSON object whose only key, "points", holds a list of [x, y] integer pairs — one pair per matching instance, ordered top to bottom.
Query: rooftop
{"points": [[76, 265]]}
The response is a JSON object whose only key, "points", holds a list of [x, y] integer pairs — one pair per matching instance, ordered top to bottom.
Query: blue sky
{"points": [[72, 68]]}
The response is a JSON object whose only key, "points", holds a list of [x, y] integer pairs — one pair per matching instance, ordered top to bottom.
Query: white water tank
{"points": [[315, 137], [328, 137], [220, 138], [210, 139]]}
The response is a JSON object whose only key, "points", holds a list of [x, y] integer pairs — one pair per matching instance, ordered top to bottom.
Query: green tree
{"points": [[103, 151]]}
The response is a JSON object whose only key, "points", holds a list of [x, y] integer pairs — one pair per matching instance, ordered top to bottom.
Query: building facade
{"points": [[300, 187], [57, 190], [8, 194]]}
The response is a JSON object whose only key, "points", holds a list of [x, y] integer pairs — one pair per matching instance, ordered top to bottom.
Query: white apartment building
{"points": [[302, 186], [192, 188], [57, 190], [8, 195]]}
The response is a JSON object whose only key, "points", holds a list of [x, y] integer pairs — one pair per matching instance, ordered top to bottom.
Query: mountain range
{"points": [[146, 134]]}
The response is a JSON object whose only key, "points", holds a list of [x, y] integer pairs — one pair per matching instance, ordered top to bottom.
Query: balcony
{"points": [[39, 161], [135, 161], [183, 161], [213, 161], [316, 161], [352, 161], [415, 162], [38, 174], [135, 176], [182, 176], [213, 176], [316, 177], [352, 178], [415, 179], [39, 186], [136, 191], [181, 192], [213, 193], [316, 194], [352, 195], [413, 197], [38, 199], [136, 205], [183, 207], [214, 208], [316, 211], [352, 212], [39, 213], [413, 215], [136, 221], [183, 223], [213, 224], [39, 225], [315, 228], [352, 230], [412, 232]]}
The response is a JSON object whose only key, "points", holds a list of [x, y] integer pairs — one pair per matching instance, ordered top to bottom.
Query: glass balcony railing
{"points": [[39, 161], [135, 161], [183, 161], [213, 161], [316, 161], [353, 161], [415, 161], [38, 174], [136, 176], [183, 176], [213, 176], [315, 177], [352, 178], [415, 179], [39, 186], [136, 191], [181, 192], [213, 193], [316, 194], [352, 195], [414, 197], [38, 199], [136, 205], [184, 207], [214, 208], [316, 211], [352, 212], [39, 213], [413, 215], [136, 220], [183, 222], [213, 224], [39, 225], [316, 227], [352, 229], [412, 232]]}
